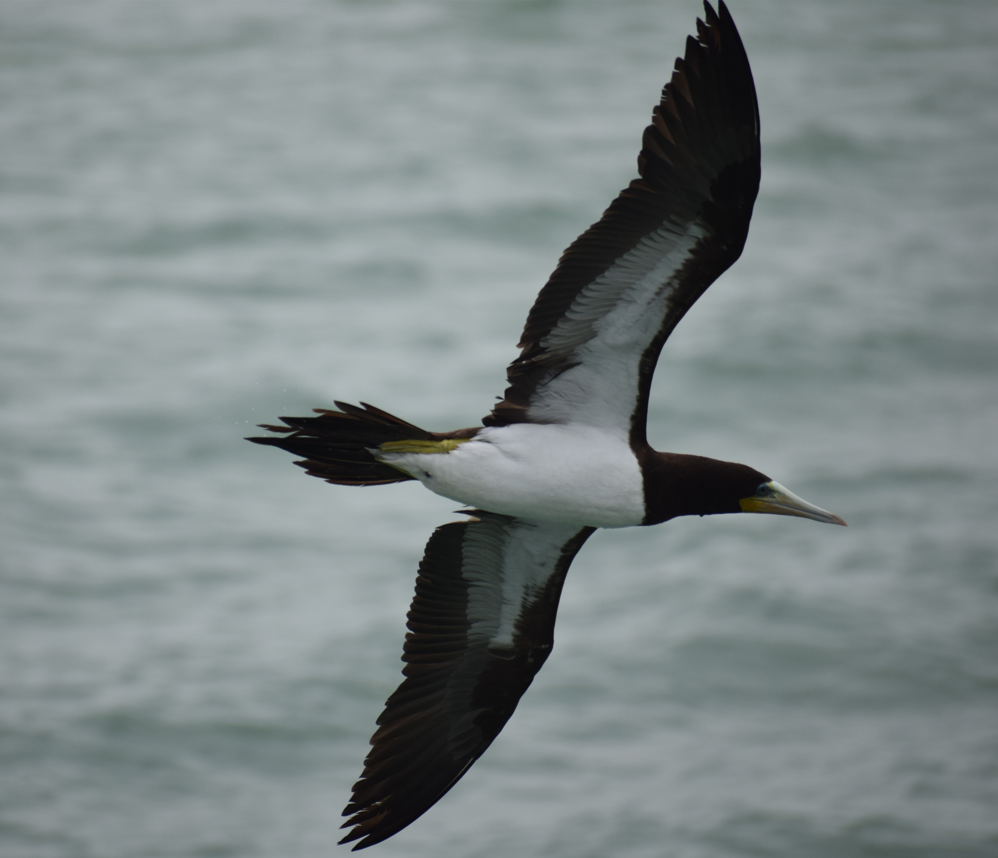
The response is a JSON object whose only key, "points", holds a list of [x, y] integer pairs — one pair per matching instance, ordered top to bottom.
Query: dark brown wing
{"points": [[595, 332], [480, 627]]}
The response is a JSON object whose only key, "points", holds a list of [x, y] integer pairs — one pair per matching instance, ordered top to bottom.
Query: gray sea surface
{"points": [[214, 213]]}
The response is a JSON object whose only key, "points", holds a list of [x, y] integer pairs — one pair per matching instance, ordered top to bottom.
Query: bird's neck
{"points": [[676, 484]]}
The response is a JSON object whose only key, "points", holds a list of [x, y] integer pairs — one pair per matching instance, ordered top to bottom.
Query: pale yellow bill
{"points": [[774, 499]]}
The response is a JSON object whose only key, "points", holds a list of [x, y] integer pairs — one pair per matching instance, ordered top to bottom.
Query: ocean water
{"points": [[215, 213]]}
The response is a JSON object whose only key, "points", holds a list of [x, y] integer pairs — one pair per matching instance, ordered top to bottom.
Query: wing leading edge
{"points": [[593, 336], [480, 627]]}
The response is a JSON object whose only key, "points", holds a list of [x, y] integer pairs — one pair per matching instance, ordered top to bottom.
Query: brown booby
{"points": [[564, 452]]}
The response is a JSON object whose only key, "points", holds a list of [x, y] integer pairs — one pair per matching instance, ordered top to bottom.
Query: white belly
{"points": [[554, 472]]}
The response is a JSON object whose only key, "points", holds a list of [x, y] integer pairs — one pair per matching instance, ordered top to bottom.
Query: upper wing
{"points": [[594, 334], [480, 627]]}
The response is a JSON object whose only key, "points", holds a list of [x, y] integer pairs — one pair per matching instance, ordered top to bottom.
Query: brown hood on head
{"points": [[677, 484]]}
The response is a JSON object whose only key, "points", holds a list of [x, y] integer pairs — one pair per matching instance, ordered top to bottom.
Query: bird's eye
{"points": [[764, 491]]}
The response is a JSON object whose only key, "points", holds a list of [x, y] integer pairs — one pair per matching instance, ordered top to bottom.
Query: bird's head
{"points": [[693, 485]]}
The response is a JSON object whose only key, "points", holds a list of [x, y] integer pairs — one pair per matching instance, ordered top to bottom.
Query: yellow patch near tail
{"points": [[444, 446]]}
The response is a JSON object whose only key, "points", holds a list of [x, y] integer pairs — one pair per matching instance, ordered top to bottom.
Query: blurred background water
{"points": [[215, 213]]}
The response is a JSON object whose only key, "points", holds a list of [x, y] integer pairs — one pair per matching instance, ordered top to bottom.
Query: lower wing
{"points": [[480, 627]]}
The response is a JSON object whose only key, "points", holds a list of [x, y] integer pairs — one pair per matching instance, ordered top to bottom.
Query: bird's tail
{"points": [[336, 445]]}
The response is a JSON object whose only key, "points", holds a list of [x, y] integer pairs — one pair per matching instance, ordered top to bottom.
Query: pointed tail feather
{"points": [[335, 445]]}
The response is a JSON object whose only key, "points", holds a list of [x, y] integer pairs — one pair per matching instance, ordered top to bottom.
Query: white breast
{"points": [[546, 472]]}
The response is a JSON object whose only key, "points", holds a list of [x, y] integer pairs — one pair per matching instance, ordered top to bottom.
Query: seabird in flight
{"points": [[564, 452]]}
